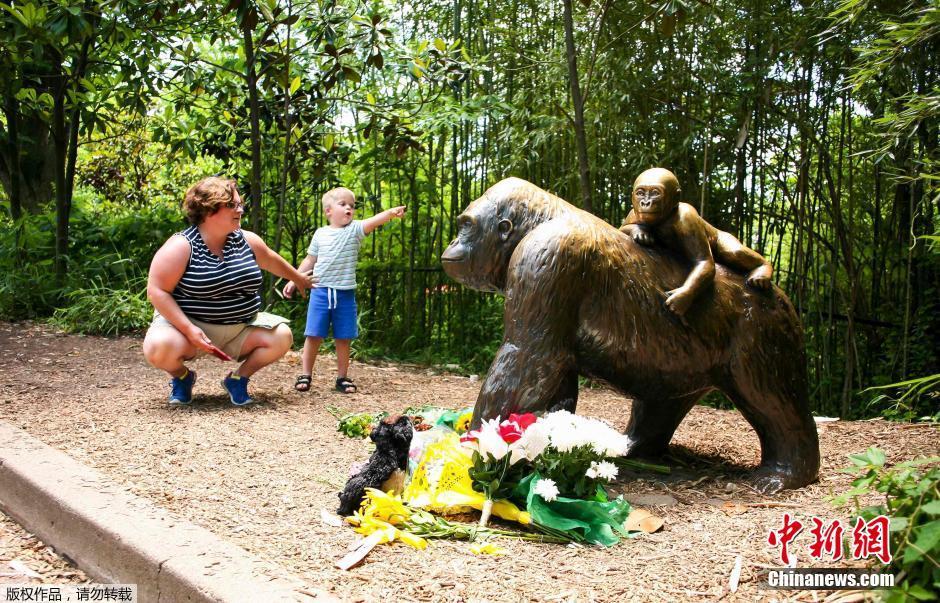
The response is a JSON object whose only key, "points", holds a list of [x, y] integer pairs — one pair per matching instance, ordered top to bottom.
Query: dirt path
{"points": [[259, 476]]}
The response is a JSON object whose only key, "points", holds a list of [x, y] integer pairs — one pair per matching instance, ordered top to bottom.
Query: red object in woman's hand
{"points": [[219, 353]]}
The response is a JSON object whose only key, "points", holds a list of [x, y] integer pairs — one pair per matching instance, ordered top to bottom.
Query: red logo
{"points": [[784, 536], [869, 538], [826, 541]]}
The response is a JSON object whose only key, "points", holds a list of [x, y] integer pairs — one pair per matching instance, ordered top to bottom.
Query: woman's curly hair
{"points": [[206, 197]]}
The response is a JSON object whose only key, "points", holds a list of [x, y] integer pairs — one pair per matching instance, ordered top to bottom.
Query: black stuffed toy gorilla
{"points": [[392, 437]]}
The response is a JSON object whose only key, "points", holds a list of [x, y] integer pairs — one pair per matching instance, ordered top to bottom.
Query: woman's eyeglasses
{"points": [[233, 205]]}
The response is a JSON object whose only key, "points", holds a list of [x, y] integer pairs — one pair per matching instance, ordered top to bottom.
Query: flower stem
{"points": [[641, 466], [486, 511]]}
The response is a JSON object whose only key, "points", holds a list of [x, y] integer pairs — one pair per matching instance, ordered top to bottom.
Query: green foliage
{"points": [[26, 283], [105, 289], [99, 310], [904, 399], [355, 424], [569, 470], [497, 479], [911, 492]]}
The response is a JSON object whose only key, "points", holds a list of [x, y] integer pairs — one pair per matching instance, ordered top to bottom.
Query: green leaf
{"points": [[266, 11], [19, 16], [439, 44], [295, 84], [370, 98], [329, 142], [931, 508], [896, 524], [928, 535], [920, 593]]}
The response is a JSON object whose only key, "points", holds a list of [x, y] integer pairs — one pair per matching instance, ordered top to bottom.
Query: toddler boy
{"points": [[332, 256]]}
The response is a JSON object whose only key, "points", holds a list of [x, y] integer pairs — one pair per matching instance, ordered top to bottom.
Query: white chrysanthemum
{"points": [[567, 431], [565, 439], [535, 440], [490, 442], [611, 443], [606, 470], [591, 472], [547, 489]]}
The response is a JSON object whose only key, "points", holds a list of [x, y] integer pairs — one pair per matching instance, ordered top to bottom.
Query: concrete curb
{"points": [[119, 538]]}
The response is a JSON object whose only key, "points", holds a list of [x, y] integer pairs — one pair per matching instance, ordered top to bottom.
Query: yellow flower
{"points": [[462, 424], [384, 506], [389, 533], [487, 548]]}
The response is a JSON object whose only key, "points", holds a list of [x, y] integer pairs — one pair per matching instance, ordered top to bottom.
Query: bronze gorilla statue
{"points": [[581, 297]]}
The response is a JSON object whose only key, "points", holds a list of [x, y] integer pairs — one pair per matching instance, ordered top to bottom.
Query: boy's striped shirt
{"points": [[337, 251]]}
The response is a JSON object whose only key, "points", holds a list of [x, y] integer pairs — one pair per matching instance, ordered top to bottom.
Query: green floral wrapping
{"points": [[449, 418], [599, 521]]}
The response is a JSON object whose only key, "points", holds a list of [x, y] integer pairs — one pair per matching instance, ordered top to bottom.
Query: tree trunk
{"points": [[254, 117], [288, 127], [65, 137], [11, 159], [27, 165], [584, 174], [63, 204]]}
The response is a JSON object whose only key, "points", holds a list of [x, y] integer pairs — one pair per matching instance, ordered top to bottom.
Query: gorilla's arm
{"points": [[689, 230], [639, 233]]}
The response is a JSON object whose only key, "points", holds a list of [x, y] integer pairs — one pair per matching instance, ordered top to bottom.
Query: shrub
{"points": [[99, 310], [911, 493]]}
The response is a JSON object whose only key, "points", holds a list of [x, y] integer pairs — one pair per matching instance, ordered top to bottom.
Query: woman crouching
{"points": [[204, 284]]}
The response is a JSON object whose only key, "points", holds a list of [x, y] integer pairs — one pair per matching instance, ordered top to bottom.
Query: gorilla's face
{"points": [[655, 196], [479, 255]]}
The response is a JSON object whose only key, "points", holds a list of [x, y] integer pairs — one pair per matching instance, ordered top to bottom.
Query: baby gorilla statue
{"points": [[657, 214], [392, 437]]}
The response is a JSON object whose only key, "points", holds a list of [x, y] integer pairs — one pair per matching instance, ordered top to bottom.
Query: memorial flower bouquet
{"points": [[501, 454], [578, 457], [564, 491]]}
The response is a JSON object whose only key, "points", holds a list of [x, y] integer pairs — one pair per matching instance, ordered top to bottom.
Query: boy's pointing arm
{"points": [[382, 218]]}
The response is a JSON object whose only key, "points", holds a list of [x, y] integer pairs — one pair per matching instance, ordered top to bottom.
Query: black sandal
{"points": [[303, 383], [345, 385]]}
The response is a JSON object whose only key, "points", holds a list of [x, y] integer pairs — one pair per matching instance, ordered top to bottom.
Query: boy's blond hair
{"points": [[333, 195]]}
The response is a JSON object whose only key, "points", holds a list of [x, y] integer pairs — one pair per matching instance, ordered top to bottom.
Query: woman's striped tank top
{"points": [[219, 291]]}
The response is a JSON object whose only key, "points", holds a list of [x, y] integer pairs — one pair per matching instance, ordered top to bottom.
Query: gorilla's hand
{"points": [[639, 234], [643, 237], [759, 282], [679, 300]]}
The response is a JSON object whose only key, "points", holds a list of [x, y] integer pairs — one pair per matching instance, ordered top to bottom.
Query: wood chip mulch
{"points": [[260, 476]]}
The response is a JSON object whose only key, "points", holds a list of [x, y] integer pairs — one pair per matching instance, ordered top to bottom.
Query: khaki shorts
{"points": [[228, 338]]}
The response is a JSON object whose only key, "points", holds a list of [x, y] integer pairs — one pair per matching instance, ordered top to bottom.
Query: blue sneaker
{"points": [[237, 388], [182, 389]]}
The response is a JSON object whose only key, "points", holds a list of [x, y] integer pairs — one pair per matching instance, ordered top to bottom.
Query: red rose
{"points": [[523, 420], [509, 431]]}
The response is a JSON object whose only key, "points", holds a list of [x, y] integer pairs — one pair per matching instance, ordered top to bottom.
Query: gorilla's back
{"points": [[625, 332]]}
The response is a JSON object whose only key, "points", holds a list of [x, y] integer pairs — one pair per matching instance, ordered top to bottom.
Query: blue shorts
{"points": [[337, 306]]}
